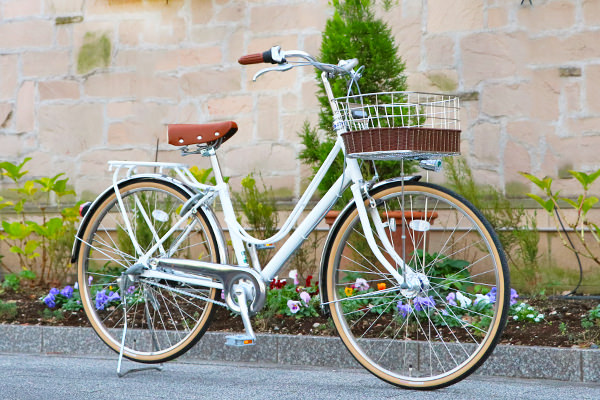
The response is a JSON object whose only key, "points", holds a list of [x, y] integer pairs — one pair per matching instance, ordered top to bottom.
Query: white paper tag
{"points": [[160, 215], [419, 225]]}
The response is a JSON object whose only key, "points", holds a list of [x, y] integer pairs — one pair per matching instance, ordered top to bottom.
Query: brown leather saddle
{"points": [[210, 135]]}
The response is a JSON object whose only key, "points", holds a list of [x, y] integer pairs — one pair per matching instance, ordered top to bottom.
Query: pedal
{"points": [[265, 246], [248, 338], [240, 340]]}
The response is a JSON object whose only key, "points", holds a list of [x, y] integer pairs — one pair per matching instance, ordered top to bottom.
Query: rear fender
{"points": [[206, 211]]}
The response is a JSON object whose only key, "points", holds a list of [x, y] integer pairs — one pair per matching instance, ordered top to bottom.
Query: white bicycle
{"points": [[412, 275]]}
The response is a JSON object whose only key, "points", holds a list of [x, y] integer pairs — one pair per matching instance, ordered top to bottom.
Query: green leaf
{"points": [[14, 171], [201, 175], [593, 176], [583, 178], [45, 183], [543, 184], [28, 188], [571, 202], [4, 203], [588, 204], [547, 205], [19, 206], [54, 226], [37, 228], [16, 230], [595, 231], [31, 246], [17, 250], [27, 274]]}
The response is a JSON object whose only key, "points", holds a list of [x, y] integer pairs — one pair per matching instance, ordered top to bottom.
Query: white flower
{"points": [[294, 276], [361, 284], [483, 298], [463, 300], [529, 315], [541, 316], [516, 317]]}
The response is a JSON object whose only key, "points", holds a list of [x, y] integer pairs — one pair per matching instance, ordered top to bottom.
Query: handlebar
{"points": [[273, 56], [276, 56], [255, 58]]}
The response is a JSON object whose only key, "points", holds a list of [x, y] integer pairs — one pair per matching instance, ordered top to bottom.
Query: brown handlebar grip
{"points": [[256, 58]]}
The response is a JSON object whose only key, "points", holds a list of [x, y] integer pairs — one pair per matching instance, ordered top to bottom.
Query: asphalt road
{"points": [[27, 376]]}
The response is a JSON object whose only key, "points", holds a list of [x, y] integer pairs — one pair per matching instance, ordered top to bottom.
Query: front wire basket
{"points": [[400, 125]]}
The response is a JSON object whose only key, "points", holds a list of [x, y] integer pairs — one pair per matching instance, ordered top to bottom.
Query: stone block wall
{"points": [[528, 77], [85, 81]]}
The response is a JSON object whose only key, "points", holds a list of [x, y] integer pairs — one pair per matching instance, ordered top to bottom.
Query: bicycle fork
{"points": [[406, 278]]}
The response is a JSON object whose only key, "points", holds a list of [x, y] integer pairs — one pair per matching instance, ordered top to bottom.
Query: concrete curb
{"points": [[575, 365]]}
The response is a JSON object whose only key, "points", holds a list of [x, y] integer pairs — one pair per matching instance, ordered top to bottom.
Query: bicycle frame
{"points": [[351, 176]]}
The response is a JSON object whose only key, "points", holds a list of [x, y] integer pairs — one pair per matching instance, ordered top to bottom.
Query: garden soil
{"points": [[561, 326]]}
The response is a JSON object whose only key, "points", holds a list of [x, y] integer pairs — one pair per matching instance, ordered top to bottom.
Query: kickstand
{"points": [[154, 344]]}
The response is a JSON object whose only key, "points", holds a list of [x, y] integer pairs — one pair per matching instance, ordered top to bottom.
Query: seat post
{"points": [[214, 162]]}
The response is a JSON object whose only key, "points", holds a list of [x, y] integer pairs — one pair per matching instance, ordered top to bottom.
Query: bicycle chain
{"points": [[219, 303]]}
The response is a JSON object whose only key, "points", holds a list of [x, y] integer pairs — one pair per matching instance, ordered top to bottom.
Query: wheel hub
{"points": [[418, 283]]}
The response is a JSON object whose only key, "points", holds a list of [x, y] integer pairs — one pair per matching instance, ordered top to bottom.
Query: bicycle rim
{"points": [[164, 318], [439, 333]]}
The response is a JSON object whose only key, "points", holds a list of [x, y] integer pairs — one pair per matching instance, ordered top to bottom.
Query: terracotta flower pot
{"points": [[396, 235]]}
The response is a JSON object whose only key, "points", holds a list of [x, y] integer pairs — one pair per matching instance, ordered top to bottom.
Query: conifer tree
{"points": [[353, 32]]}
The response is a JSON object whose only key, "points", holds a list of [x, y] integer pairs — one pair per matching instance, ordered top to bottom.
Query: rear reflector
{"points": [[83, 209]]}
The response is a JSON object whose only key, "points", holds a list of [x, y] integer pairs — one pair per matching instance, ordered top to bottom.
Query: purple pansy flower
{"points": [[131, 289], [54, 291], [67, 291], [492, 295], [112, 296], [513, 296], [305, 297], [101, 299], [451, 299], [50, 301], [423, 302], [294, 306], [404, 309]]}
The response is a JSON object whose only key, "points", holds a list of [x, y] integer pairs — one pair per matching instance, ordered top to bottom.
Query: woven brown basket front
{"points": [[408, 141]]}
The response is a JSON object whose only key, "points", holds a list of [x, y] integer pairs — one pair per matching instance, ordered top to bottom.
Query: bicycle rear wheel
{"points": [[164, 319], [442, 329]]}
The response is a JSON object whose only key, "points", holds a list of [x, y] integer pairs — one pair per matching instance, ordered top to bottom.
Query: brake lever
{"points": [[281, 68]]}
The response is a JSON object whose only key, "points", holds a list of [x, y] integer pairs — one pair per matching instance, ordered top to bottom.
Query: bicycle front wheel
{"points": [[164, 319], [447, 323]]}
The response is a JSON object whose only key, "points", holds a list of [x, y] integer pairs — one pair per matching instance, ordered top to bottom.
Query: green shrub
{"points": [[353, 32], [554, 204], [260, 212], [516, 230], [47, 245], [14, 281]]}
